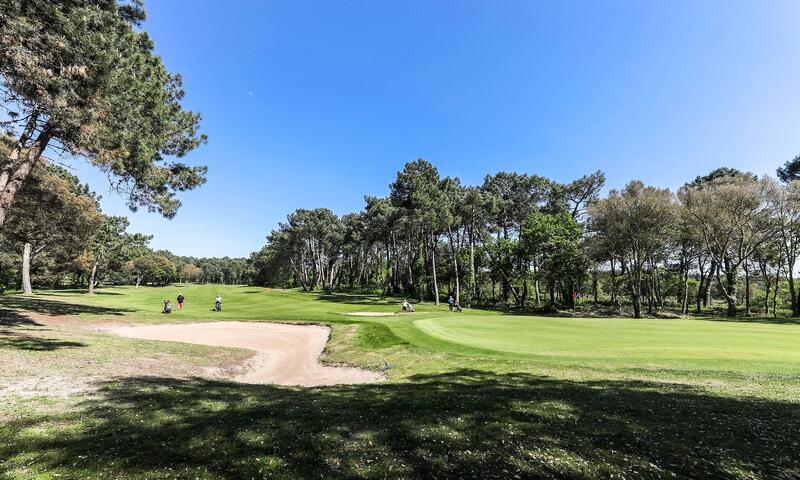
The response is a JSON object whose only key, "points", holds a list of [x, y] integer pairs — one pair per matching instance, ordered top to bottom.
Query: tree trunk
{"points": [[10, 162], [21, 172], [455, 266], [433, 267], [471, 268], [26, 269], [712, 272], [92, 275], [536, 284], [701, 286], [746, 289], [775, 291], [793, 294], [614, 298], [685, 302], [637, 305]]}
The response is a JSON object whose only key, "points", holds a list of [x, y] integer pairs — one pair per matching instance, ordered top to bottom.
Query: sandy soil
{"points": [[285, 354]]}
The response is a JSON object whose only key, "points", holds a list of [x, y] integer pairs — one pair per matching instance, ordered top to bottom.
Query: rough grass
{"points": [[473, 395]]}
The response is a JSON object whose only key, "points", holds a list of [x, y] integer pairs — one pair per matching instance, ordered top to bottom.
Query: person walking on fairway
{"points": [[180, 299], [450, 302], [218, 303]]}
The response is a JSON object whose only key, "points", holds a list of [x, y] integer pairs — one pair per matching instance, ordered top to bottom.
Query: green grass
{"points": [[473, 395]]}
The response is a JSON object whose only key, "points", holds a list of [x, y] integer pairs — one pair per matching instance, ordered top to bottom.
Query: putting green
{"points": [[618, 339]]}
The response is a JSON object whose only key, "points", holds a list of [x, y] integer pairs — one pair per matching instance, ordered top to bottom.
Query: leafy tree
{"points": [[78, 76], [790, 171], [417, 191], [578, 194], [786, 202], [53, 211], [734, 218], [637, 223], [554, 243], [109, 248], [153, 268], [191, 273]]}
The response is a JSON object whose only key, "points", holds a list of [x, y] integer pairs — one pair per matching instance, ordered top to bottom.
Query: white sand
{"points": [[286, 354]]}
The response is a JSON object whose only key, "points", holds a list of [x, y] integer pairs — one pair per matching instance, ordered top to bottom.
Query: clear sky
{"points": [[310, 104]]}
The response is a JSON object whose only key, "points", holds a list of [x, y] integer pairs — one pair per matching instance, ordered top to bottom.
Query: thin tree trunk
{"points": [[21, 172], [433, 266], [455, 266], [471, 268], [26, 269], [92, 275], [701, 287], [746, 289], [775, 291], [614, 298], [685, 302]]}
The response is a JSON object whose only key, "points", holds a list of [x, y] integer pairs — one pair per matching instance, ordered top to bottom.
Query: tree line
{"points": [[79, 80], [56, 235], [525, 241]]}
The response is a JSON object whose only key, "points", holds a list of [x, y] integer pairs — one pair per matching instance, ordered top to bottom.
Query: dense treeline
{"points": [[79, 79], [55, 236], [513, 239], [527, 241]]}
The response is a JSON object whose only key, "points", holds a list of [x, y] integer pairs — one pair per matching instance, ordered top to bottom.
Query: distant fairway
{"points": [[699, 343], [516, 396]]}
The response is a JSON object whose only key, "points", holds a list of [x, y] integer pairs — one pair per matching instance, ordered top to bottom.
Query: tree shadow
{"points": [[75, 291], [356, 298], [54, 307], [13, 318], [742, 319], [21, 341], [463, 424]]}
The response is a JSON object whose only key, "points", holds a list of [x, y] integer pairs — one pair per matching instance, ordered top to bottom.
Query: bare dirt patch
{"points": [[285, 354], [46, 386]]}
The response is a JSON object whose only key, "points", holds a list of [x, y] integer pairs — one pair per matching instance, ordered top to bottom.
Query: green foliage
{"points": [[80, 74], [152, 268]]}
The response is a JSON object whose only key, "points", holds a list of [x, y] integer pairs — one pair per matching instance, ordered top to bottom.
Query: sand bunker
{"points": [[371, 314], [286, 354]]}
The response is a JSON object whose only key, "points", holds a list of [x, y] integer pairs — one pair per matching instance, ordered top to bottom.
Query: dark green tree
{"points": [[79, 77], [790, 170]]}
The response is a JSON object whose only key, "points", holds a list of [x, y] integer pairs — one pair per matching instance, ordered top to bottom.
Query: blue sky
{"points": [[312, 104]]}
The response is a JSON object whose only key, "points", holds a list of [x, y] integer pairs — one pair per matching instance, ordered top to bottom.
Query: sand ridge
{"points": [[285, 354]]}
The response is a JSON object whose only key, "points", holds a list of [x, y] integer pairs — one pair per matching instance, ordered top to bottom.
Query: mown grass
{"points": [[473, 395]]}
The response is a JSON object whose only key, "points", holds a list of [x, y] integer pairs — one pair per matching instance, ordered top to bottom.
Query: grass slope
{"points": [[473, 395]]}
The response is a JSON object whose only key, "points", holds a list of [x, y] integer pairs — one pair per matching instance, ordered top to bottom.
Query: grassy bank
{"points": [[472, 395]]}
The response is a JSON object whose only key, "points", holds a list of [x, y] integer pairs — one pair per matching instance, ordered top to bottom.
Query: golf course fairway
{"points": [[462, 394]]}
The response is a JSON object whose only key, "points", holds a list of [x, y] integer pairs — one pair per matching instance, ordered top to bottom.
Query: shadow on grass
{"points": [[75, 291], [356, 298], [54, 307], [13, 318], [742, 319], [22, 341], [464, 424]]}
